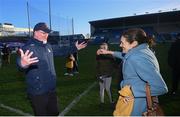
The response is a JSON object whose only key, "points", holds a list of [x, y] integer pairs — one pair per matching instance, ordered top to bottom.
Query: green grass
{"points": [[13, 88]]}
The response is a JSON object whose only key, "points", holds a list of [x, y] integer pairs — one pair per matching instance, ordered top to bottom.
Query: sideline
{"points": [[68, 108], [14, 110]]}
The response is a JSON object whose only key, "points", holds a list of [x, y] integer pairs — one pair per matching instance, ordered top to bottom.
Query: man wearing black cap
{"points": [[36, 59]]}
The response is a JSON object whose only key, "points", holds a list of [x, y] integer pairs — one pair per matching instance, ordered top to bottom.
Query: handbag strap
{"points": [[148, 96]]}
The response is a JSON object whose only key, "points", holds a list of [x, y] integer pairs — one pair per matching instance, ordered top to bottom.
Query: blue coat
{"points": [[140, 66], [41, 76]]}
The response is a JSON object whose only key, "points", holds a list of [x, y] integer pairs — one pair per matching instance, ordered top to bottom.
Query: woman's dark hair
{"points": [[139, 35]]}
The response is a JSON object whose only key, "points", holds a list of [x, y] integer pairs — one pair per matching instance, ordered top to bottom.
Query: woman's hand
{"points": [[103, 51], [127, 99]]}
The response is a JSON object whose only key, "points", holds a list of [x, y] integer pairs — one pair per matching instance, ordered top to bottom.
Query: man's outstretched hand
{"points": [[81, 45], [26, 58]]}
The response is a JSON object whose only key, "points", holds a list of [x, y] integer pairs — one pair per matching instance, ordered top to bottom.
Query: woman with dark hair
{"points": [[140, 66]]}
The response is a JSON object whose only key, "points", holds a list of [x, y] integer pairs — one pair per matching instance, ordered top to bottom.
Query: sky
{"points": [[81, 11]]}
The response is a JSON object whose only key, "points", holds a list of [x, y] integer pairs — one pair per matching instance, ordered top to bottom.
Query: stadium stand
{"points": [[164, 26]]}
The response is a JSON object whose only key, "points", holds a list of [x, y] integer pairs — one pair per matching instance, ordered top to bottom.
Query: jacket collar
{"points": [[37, 41], [136, 49]]}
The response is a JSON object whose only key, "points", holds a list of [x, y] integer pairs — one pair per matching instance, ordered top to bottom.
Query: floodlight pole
{"points": [[50, 14], [29, 25], [72, 26]]}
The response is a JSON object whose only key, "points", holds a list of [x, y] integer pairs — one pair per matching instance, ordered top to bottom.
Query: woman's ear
{"points": [[134, 44]]}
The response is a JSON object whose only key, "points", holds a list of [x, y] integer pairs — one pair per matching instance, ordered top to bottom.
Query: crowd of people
{"points": [[138, 65]]}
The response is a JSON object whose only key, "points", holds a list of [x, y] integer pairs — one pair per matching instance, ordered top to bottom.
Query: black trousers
{"points": [[45, 104]]}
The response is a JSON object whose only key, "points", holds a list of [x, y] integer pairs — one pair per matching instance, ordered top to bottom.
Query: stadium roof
{"points": [[163, 17]]}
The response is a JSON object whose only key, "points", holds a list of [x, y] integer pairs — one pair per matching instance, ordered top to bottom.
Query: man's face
{"points": [[41, 35]]}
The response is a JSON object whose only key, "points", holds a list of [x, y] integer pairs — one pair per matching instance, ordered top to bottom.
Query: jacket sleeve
{"points": [[118, 54], [148, 72]]}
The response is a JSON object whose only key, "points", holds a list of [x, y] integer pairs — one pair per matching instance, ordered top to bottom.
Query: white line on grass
{"points": [[68, 108], [14, 110]]}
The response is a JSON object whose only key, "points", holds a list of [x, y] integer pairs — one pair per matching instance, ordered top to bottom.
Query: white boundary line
{"points": [[68, 108], [14, 110], [65, 111]]}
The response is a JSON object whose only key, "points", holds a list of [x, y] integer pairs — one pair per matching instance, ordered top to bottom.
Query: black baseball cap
{"points": [[42, 26]]}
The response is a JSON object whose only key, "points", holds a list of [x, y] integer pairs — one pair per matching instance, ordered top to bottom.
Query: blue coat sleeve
{"points": [[118, 55], [149, 72]]}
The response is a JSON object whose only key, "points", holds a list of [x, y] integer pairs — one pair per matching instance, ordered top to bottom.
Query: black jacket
{"points": [[174, 55], [104, 65], [41, 76]]}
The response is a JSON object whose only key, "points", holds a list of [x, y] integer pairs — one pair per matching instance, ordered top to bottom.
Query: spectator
{"points": [[6, 54], [0, 59], [36, 59], [75, 63], [174, 63], [69, 65], [139, 67], [104, 73]]}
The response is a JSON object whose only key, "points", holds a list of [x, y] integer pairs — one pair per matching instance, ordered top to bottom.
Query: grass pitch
{"points": [[13, 88]]}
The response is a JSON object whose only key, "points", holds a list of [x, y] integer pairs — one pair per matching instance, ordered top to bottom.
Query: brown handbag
{"points": [[153, 107]]}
